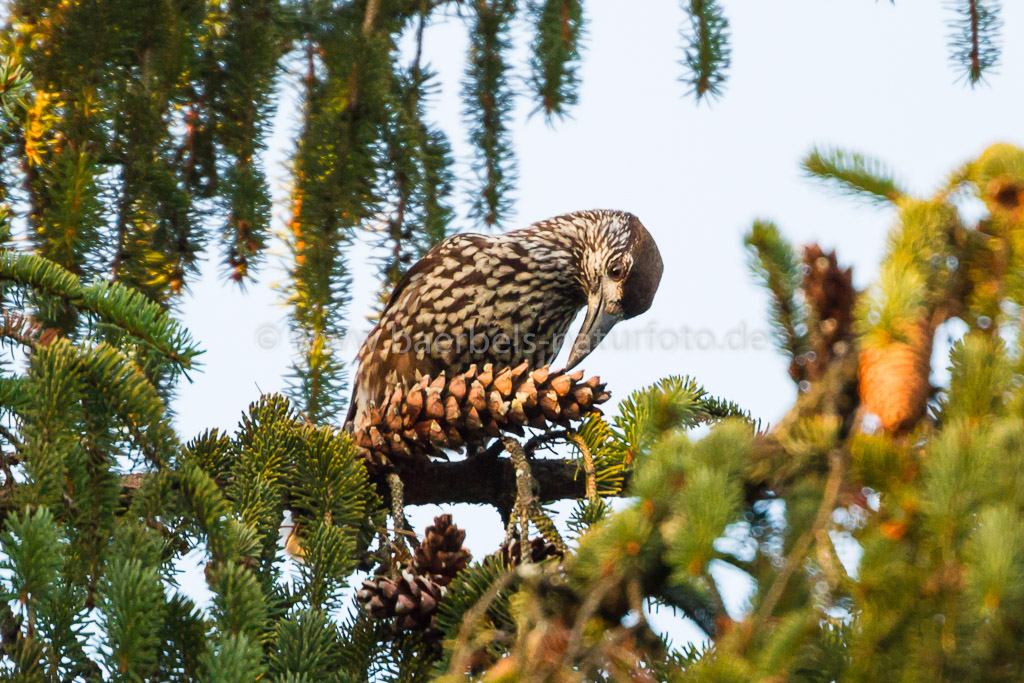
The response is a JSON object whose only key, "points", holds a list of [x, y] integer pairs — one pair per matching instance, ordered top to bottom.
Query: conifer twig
{"points": [[372, 7], [974, 43], [708, 54], [853, 174], [774, 262], [11, 439], [475, 481], [803, 544], [828, 559], [716, 599], [591, 604], [461, 652]]}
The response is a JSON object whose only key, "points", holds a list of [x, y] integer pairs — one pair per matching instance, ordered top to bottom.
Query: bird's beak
{"points": [[595, 327]]}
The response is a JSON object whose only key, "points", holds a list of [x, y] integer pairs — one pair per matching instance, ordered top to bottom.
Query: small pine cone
{"points": [[830, 294], [893, 378], [472, 407], [540, 550], [441, 556], [411, 598]]}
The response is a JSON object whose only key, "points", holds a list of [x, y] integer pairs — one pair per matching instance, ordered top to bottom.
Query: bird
{"points": [[508, 298]]}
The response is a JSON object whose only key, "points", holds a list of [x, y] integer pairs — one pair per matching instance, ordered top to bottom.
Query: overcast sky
{"points": [[859, 74]]}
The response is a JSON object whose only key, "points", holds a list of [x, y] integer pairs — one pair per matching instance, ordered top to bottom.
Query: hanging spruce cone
{"points": [[830, 294], [893, 377], [440, 413], [540, 550], [441, 556], [411, 598]]}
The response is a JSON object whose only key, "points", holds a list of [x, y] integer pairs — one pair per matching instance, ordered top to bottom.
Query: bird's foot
{"points": [[527, 508]]}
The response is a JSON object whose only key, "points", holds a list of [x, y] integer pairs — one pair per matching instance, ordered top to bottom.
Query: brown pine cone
{"points": [[830, 294], [893, 377], [479, 404], [540, 550], [441, 556], [411, 598]]}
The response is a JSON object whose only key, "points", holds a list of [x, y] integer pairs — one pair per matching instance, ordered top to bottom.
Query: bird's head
{"points": [[619, 269]]}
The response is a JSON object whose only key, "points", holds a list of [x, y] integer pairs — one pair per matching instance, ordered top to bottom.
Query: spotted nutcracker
{"points": [[508, 298]]}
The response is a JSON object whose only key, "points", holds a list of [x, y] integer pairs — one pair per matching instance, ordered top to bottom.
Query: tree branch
{"points": [[479, 481], [482, 481], [491, 481]]}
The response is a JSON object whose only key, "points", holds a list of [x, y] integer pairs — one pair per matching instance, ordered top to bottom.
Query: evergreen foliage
{"points": [[974, 39], [707, 53], [556, 54], [489, 102], [853, 174], [774, 262], [102, 500], [879, 523]]}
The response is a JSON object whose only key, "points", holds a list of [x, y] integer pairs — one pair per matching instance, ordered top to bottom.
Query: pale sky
{"points": [[862, 75]]}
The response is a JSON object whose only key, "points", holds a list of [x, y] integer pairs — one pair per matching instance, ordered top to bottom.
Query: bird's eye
{"points": [[616, 270]]}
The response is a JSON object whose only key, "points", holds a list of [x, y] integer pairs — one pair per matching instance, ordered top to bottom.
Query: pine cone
{"points": [[830, 294], [894, 377], [472, 407], [540, 550], [441, 556], [411, 598]]}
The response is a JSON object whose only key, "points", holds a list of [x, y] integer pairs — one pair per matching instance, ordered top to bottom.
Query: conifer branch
{"points": [[370, 16], [974, 40], [707, 53], [555, 58], [14, 85], [489, 100], [853, 174], [336, 177], [419, 182], [775, 264], [112, 303], [131, 396], [478, 481], [486, 481], [795, 558], [462, 652]]}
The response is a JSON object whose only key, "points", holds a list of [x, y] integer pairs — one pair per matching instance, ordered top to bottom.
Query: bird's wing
{"points": [[429, 260]]}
